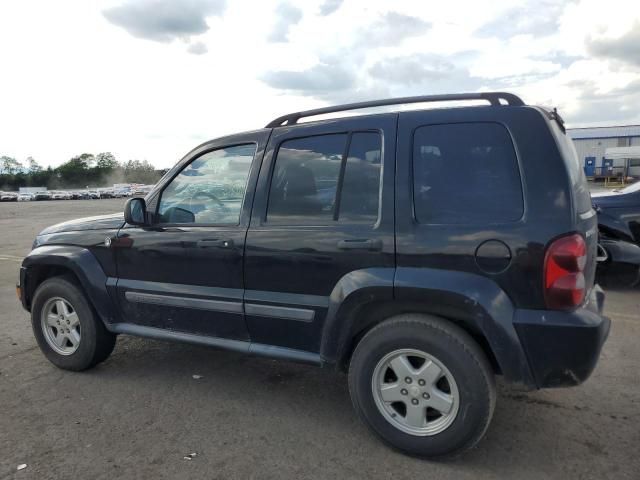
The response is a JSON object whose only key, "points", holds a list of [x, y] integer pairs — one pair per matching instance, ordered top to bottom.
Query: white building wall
{"points": [[592, 142], [595, 147], [634, 170]]}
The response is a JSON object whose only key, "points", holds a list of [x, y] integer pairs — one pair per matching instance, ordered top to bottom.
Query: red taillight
{"points": [[564, 262]]}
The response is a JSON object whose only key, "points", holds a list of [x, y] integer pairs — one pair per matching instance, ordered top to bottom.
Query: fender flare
{"points": [[614, 226], [83, 264], [353, 290], [477, 303]]}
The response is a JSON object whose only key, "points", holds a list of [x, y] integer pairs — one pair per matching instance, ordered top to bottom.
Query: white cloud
{"points": [[164, 20], [74, 80]]}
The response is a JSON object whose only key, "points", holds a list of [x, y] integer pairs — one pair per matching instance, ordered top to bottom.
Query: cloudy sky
{"points": [[150, 79]]}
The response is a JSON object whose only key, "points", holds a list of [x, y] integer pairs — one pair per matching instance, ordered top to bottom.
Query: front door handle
{"points": [[214, 242], [360, 244]]}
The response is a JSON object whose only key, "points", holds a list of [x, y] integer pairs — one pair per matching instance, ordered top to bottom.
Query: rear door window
{"points": [[465, 173], [324, 179], [305, 180], [359, 199]]}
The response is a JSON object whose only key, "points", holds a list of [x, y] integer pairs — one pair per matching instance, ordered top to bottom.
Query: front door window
{"points": [[210, 189]]}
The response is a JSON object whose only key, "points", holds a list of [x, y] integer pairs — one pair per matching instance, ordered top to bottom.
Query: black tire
{"points": [[96, 342], [457, 351]]}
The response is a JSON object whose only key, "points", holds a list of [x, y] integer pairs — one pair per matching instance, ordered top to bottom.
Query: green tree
{"points": [[106, 161], [10, 166], [33, 166], [140, 171], [76, 172]]}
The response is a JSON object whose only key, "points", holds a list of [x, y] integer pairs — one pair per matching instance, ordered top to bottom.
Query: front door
{"points": [[321, 218], [183, 272]]}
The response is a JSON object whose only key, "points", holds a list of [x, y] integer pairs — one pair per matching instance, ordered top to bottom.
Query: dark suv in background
{"points": [[423, 251]]}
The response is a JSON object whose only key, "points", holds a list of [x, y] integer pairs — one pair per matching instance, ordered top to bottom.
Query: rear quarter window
{"points": [[465, 173]]}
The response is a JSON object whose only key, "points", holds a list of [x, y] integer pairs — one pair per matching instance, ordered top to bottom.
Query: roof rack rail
{"points": [[492, 97]]}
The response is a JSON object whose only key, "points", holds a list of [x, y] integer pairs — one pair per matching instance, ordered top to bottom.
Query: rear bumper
{"points": [[562, 348]]}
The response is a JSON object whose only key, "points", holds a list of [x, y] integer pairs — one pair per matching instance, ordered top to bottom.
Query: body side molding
{"points": [[178, 289], [286, 298], [185, 302], [287, 313]]}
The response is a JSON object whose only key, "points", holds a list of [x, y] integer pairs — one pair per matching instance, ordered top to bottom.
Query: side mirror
{"points": [[135, 211]]}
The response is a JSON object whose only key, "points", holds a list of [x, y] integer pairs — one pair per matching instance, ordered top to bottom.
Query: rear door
{"points": [[323, 210]]}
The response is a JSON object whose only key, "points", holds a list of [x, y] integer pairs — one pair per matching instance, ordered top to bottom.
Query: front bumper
{"points": [[620, 251], [21, 289], [562, 348]]}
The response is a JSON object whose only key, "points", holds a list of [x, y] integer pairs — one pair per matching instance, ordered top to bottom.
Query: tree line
{"points": [[86, 170]]}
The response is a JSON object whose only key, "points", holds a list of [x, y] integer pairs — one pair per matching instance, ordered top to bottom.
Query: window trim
{"points": [[523, 193], [156, 213], [334, 220]]}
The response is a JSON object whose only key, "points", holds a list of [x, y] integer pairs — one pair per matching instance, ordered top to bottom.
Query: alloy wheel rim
{"points": [[61, 326], [415, 392]]}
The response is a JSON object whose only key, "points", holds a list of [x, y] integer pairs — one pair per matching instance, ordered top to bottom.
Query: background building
{"points": [[608, 151]]}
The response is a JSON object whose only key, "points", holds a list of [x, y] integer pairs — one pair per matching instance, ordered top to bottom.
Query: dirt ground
{"points": [[140, 412]]}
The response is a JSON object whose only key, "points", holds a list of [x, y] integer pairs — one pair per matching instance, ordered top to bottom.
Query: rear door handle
{"points": [[214, 242], [360, 244]]}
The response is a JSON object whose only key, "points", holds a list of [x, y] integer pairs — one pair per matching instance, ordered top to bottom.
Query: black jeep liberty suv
{"points": [[423, 251]]}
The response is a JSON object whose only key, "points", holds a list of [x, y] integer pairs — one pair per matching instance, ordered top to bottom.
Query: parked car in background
{"points": [[140, 190], [106, 193], [93, 194], [58, 195], [42, 196], [8, 197], [25, 197], [619, 243], [424, 252]]}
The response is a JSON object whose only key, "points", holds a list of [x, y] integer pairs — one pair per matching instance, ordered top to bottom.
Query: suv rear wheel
{"points": [[66, 328], [423, 385]]}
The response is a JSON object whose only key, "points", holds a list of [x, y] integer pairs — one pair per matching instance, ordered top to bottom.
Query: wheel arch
{"points": [[55, 260], [473, 302], [374, 313]]}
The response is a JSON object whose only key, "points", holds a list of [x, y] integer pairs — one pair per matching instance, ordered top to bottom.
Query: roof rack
{"points": [[492, 97]]}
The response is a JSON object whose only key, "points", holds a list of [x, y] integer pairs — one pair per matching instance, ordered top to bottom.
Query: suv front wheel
{"points": [[66, 327], [423, 385]]}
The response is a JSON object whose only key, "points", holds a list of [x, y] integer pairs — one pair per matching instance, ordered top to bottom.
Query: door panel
{"points": [[293, 262], [164, 273], [188, 277]]}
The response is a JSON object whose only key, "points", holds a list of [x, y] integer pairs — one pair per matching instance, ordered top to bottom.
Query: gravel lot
{"points": [[139, 413]]}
